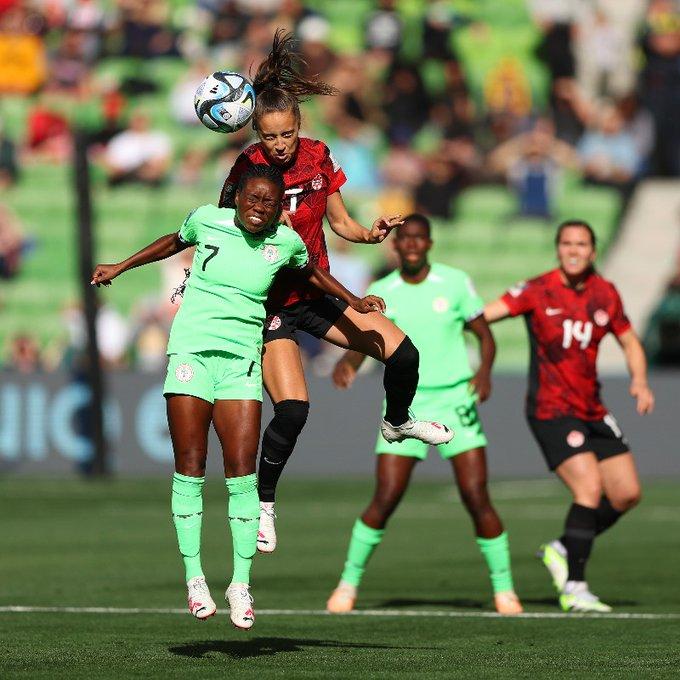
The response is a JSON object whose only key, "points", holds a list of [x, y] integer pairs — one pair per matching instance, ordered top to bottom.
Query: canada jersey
{"points": [[312, 177], [231, 274], [433, 313], [566, 326]]}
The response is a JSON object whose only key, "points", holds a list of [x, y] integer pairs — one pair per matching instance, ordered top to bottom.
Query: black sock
{"points": [[400, 381], [278, 442], [606, 515], [579, 532]]}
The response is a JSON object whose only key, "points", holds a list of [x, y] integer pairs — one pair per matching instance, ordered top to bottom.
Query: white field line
{"points": [[387, 613]]}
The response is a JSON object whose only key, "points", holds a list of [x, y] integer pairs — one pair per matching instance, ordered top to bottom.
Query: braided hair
{"points": [[279, 82]]}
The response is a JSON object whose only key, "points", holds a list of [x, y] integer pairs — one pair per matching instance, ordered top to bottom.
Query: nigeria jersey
{"points": [[231, 274], [433, 313]]}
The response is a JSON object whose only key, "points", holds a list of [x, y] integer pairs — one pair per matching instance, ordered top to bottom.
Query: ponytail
{"points": [[279, 82]]}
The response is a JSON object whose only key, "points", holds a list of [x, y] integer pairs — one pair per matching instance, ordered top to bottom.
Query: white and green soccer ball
{"points": [[224, 101]]}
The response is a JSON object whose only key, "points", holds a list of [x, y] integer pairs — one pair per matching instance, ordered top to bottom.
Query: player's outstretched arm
{"points": [[349, 229], [165, 246], [329, 284], [496, 311], [637, 367], [346, 369], [481, 381]]}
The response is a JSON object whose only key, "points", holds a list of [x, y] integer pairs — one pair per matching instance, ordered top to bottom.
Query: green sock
{"points": [[187, 513], [244, 521], [364, 541], [496, 552]]}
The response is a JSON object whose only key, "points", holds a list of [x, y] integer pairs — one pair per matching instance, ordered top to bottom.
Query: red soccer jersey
{"points": [[311, 178], [566, 326]]}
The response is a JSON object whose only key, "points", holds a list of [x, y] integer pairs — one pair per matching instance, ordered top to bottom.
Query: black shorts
{"points": [[315, 317], [562, 438]]}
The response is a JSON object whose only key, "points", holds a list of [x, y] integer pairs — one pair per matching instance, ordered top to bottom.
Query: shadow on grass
{"points": [[459, 603], [268, 646]]}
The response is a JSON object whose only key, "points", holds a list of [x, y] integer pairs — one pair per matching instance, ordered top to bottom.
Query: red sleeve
{"points": [[331, 167], [229, 187], [519, 298], [619, 322]]}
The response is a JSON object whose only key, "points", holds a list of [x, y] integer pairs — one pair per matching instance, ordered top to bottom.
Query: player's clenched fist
{"points": [[104, 273]]}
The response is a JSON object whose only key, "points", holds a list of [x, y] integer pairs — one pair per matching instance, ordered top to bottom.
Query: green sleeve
{"points": [[188, 232], [298, 256], [470, 304]]}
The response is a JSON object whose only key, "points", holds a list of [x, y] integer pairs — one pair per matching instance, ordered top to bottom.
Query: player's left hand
{"points": [[383, 226], [370, 303], [480, 385], [644, 396]]}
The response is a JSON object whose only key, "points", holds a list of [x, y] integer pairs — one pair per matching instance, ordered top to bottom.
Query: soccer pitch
{"points": [[93, 572]]}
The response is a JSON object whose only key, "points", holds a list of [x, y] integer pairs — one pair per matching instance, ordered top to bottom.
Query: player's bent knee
{"points": [[405, 358], [290, 417], [626, 501]]}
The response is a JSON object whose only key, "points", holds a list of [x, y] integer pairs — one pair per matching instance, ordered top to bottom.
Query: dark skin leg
{"points": [[189, 420], [237, 423], [470, 471], [392, 477]]}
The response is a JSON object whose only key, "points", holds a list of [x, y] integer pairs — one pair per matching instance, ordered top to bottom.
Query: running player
{"points": [[313, 180], [434, 303], [568, 311], [214, 367]]}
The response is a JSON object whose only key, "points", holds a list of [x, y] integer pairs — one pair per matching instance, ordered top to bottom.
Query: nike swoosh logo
{"points": [[552, 311]]}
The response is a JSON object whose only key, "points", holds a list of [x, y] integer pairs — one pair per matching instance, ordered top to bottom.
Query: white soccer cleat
{"points": [[429, 432], [266, 533], [554, 557], [577, 598], [342, 599], [201, 605], [241, 605]]}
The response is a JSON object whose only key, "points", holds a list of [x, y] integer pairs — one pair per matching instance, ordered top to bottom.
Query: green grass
{"points": [[95, 544]]}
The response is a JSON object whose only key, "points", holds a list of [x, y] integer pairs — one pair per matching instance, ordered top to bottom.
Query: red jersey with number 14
{"points": [[310, 179], [566, 326]]}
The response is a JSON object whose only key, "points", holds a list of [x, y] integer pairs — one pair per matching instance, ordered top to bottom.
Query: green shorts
{"points": [[213, 375], [453, 406]]}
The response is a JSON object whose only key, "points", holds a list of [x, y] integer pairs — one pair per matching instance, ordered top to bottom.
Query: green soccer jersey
{"points": [[232, 271], [433, 313]]}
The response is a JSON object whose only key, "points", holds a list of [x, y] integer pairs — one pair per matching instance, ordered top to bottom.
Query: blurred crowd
{"points": [[412, 131]]}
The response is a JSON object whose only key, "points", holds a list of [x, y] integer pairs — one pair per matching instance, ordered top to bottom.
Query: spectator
{"points": [[145, 28], [384, 30], [313, 33], [660, 83], [182, 93], [406, 102], [638, 122], [47, 130], [608, 153], [138, 154], [530, 162], [9, 167], [436, 194], [12, 244], [662, 337], [23, 354]]}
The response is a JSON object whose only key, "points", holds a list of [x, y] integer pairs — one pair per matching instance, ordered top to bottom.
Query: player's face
{"points": [[279, 133], [258, 204], [412, 244], [575, 251]]}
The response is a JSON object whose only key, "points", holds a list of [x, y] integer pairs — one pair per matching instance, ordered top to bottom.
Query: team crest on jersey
{"points": [[317, 182], [270, 253], [517, 289], [440, 305], [601, 317], [273, 322], [184, 373], [576, 439]]}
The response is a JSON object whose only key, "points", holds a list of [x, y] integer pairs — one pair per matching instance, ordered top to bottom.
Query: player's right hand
{"points": [[103, 274], [370, 303], [343, 375], [644, 397]]}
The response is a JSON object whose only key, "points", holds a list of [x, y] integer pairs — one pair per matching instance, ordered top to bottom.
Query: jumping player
{"points": [[313, 181], [433, 303], [568, 311], [214, 368]]}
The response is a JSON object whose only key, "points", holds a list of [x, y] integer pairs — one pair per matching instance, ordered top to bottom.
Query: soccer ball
{"points": [[224, 101]]}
